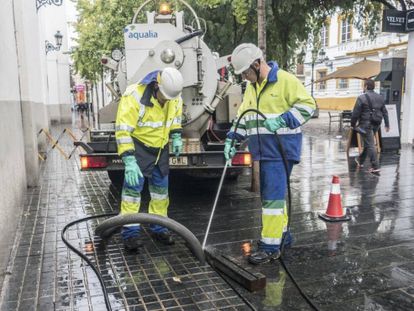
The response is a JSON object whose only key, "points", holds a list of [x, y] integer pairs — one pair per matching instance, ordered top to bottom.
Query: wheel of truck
{"points": [[117, 178]]}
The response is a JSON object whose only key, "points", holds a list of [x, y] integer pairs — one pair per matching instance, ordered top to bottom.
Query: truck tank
{"points": [[166, 41], [210, 102]]}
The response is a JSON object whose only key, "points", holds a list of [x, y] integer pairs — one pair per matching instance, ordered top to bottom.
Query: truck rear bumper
{"points": [[211, 160]]}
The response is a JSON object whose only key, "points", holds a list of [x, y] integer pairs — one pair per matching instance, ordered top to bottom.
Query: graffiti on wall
{"points": [[40, 3]]}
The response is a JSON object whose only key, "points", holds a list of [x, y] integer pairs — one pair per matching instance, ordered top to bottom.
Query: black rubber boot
{"points": [[164, 237], [132, 244], [260, 257]]}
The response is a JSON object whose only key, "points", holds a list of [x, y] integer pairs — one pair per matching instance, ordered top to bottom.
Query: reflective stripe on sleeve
{"points": [[304, 107], [298, 116], [175, 122], [124, 127], [124, 140]]}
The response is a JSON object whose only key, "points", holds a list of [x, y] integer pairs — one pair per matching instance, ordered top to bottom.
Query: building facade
{"points": [[53, 20], [342, 46], [34, 91]]}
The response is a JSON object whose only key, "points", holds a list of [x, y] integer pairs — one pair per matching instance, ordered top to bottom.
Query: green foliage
{"points": [[240, 8], [365, 15], [101, 22], [295, 23], [290, 24], [287, 27], [100, 29], [225, 31]]}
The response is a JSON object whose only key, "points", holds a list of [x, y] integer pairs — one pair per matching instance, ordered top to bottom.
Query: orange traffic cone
{"points": [[335, 212]]}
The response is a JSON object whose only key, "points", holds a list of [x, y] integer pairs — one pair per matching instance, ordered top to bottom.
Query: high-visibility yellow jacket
{"points": [[280, 94], [141, 117]]}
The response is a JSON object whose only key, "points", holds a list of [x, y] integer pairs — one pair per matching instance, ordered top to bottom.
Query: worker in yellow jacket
{"points": [[283, 99], [149, 114]]}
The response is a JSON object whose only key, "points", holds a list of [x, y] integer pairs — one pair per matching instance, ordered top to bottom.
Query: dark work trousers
{"points": [[369, 148]]}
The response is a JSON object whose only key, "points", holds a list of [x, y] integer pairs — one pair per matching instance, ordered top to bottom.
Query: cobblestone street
{"points": [[364, 264]]}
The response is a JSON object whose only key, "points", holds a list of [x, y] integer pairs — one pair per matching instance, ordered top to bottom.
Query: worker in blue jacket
{"points": [[283, 99]]}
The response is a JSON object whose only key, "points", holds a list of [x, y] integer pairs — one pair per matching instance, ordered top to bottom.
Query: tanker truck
{"points": [[210, 102]]}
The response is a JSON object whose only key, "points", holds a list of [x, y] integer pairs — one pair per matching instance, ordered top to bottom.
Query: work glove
{"points": [[273, 124], [177, 144], [229, 150], [132, 170]]}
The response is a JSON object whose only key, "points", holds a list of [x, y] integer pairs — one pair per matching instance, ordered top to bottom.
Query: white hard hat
{"points": [[244, 55], [170, 83]]}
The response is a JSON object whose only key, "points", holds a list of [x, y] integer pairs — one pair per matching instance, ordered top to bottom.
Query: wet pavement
{"points": [[364, 264]]}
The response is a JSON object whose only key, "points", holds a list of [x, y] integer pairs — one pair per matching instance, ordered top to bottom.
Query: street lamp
{"points": [[58, 39], [301, 56], [317, 58], [328, 62]]}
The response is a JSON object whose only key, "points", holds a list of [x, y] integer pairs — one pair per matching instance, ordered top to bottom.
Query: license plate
{"points": [[178, 161]]}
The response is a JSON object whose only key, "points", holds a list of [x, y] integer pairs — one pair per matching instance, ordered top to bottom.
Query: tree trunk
{"points": [[261, 25], [261, 42], [97, 104]]}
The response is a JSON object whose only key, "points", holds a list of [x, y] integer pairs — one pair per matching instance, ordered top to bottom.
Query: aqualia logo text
{"points": [[143, 35]]}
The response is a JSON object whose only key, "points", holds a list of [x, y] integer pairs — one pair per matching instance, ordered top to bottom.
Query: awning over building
{"points": [[362, 70], [384, 76]]}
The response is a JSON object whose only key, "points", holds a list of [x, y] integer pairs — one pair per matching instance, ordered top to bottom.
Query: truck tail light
{"points": [[244, 159], [93, 162]]}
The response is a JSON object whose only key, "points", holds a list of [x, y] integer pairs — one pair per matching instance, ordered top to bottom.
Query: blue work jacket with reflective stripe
{"points": [[280, 94]]}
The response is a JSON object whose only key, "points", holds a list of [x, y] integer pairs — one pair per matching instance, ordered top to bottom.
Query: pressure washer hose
{"points": [[282, 152], [289, 205], [77, 252]]}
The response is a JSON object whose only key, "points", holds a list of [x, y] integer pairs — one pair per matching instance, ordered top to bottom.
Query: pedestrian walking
{"points": [[283, 99], [149, 113], [367, 115]]}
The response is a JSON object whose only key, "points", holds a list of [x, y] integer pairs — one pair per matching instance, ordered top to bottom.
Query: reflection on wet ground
{"points": [[364, 264]]}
